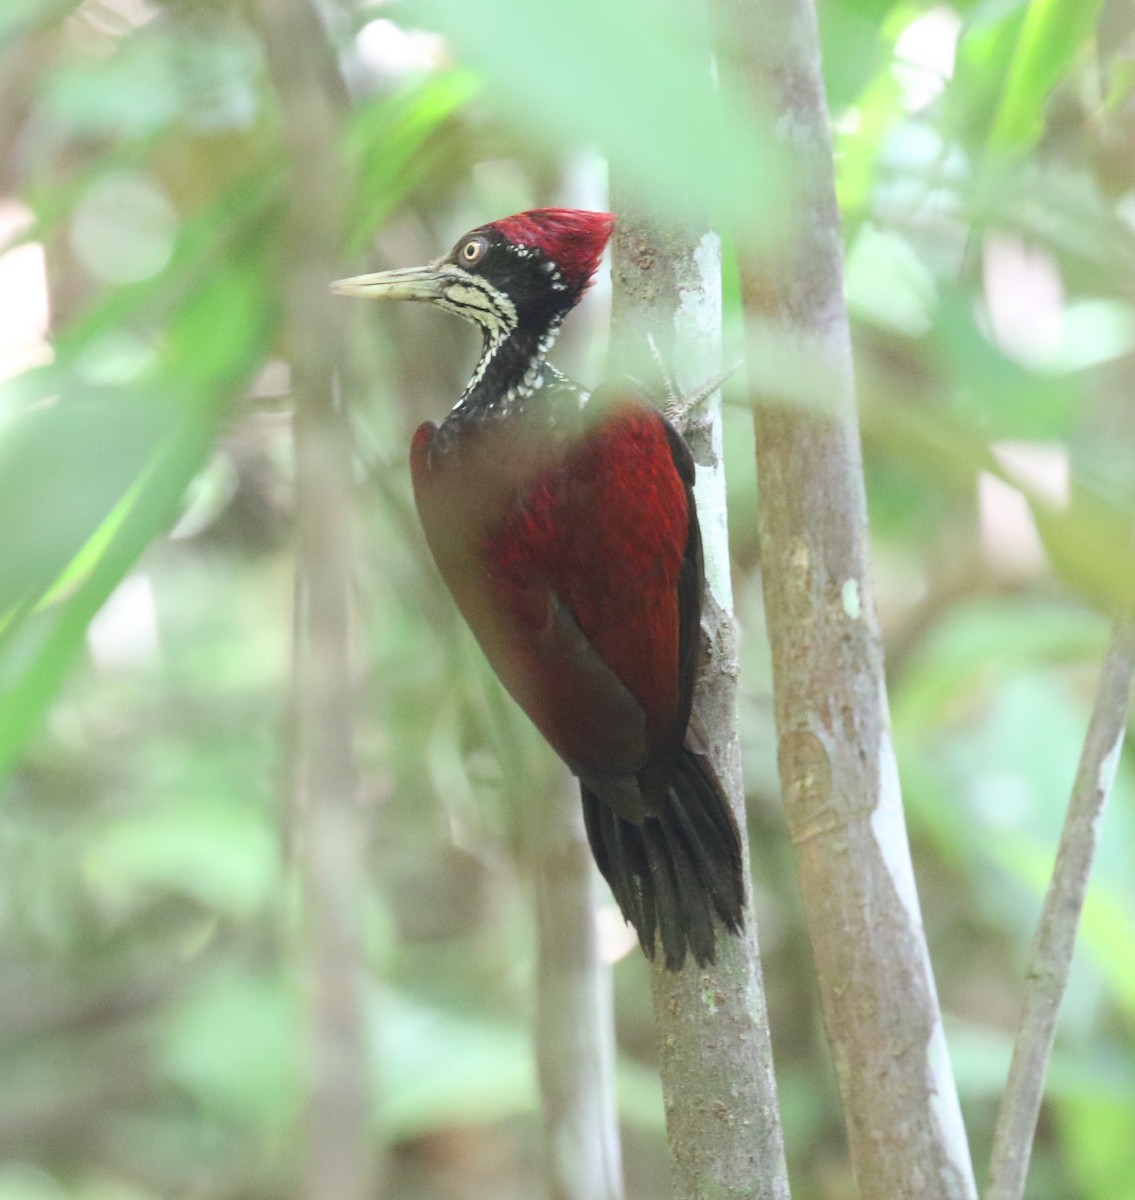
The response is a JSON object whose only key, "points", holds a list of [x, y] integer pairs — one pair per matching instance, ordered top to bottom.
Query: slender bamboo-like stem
{"points": [[837, 766], [327, 836], [1050, 958], [574, 1028], [716, 1055]]}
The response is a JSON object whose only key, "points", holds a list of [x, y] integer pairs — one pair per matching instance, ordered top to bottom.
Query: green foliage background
{"points": [[152, 1018]]}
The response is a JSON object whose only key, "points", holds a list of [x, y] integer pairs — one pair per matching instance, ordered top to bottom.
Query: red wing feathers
{"points": [[605, 530], [576, 584]]}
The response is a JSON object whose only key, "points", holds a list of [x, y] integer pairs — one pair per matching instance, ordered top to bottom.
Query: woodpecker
{"points": [[564, 524]]}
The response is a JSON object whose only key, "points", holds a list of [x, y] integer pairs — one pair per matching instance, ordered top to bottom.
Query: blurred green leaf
{"points": [[18, 16], [1052, 34], [985, 52], [632, 78], [133, 92], [387, 144], [162, 452], [63, 471], [980, 644], [220, 854], [235, 1044], [442, 1069], [1103, 1151], [23, 1181]]}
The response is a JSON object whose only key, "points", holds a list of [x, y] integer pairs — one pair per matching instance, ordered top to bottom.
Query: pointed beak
{"points": [[409, 283]]}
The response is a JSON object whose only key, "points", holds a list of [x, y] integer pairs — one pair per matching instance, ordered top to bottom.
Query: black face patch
{"points": [[524, 274]]}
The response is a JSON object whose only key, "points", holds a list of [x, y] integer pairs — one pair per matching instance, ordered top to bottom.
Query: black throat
{"points": [[512, 365], [509, 370]]}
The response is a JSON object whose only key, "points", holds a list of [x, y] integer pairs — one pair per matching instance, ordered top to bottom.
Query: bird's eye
{"points": [[472, 251]]}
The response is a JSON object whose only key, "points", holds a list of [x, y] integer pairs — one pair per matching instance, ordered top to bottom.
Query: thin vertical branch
{"points": [[838, 773], [328, 839], [1050, 958], [574, 1028], [716, 1054]]}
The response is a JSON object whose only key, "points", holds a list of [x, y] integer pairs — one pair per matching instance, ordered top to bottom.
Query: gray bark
{"points": [[837, 766], [328, 837], [1050, 959], [575, 1034], [716, 1056]]}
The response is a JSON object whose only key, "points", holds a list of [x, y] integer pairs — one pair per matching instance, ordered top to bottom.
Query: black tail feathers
{"points": [[682, 866]]}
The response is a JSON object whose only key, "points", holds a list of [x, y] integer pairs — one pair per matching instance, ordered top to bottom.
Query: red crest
{"points": [[571, 238]]}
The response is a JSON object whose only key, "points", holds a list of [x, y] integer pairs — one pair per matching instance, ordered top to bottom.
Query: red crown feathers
{"points": [[571, 238]]}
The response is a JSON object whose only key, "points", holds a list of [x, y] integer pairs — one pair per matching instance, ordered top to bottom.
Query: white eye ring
{"points": [[473, 251]]}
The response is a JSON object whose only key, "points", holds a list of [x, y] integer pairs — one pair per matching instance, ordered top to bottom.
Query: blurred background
{"points": [[152, 992]]}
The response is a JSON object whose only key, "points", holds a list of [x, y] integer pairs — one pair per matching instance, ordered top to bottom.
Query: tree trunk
{"points": [[837, 765], [327, 834], [1050, 958], [574, 1028], [716, 1056]]}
